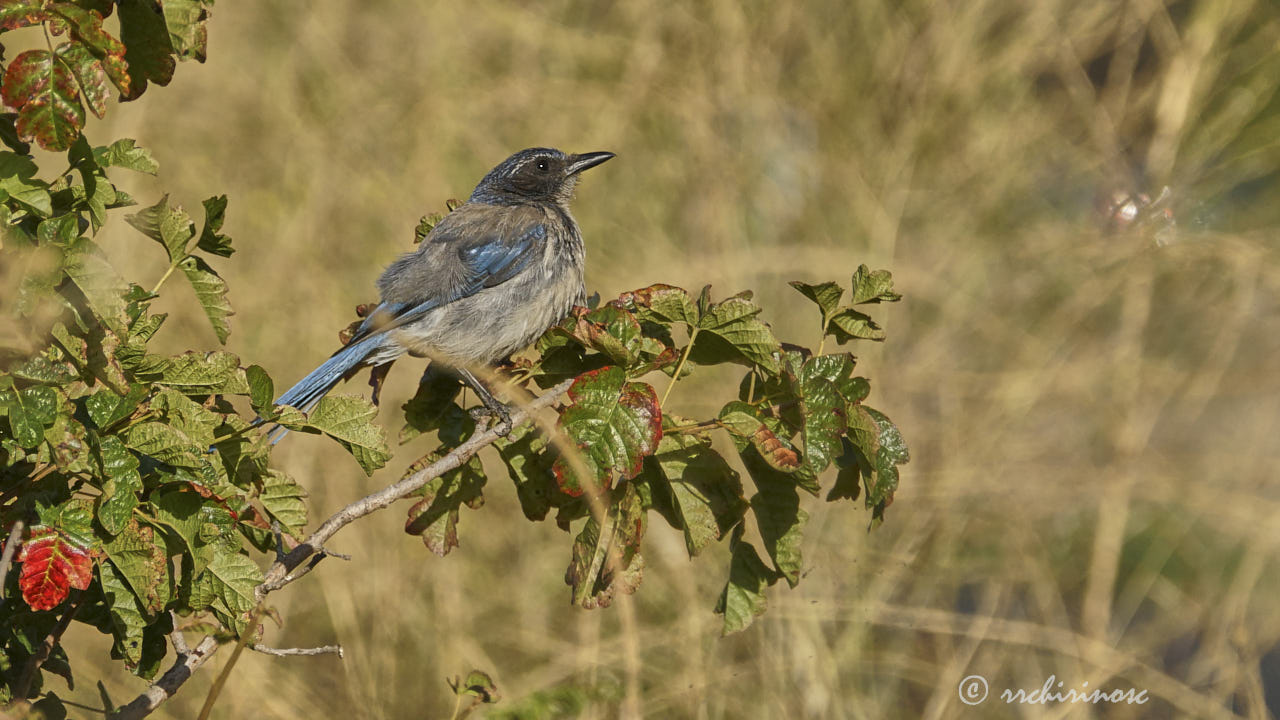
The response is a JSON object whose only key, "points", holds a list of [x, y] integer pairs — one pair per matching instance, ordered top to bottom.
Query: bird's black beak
{"points": [[578, 163]]}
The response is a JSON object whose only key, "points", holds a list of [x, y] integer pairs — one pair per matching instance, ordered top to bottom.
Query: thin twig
{"points": [[6, 559], [278, 575], [325, 650], [219, 682], [23, 686]]}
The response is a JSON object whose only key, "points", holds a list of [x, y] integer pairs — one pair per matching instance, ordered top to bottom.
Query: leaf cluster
{"points": [[799, 426], [146, 492]]}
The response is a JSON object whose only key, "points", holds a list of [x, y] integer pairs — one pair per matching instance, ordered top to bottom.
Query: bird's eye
{"points": [[542, 166]]}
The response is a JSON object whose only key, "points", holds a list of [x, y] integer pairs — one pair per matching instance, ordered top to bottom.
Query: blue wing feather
{"points": [[483, 264]]}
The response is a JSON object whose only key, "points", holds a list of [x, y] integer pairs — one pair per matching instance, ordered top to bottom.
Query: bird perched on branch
{"points": [[487, 280]]}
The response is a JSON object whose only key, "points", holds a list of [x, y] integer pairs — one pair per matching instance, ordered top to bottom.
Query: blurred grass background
{"points": [[1092, 419]]}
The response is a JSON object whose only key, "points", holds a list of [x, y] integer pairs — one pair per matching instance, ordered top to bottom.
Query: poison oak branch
{"points": [[312, 550]]}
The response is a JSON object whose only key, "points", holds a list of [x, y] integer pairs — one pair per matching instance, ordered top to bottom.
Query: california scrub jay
{"points": [[489, 279]]}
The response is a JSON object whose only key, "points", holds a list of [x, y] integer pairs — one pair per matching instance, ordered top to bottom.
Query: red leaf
{"points": [[51, 566]]}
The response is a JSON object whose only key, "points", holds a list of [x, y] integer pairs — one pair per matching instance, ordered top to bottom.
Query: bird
{"points": [[486, 281]]}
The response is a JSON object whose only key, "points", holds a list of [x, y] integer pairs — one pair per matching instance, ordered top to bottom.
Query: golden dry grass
{"points": [[1093, 489]]}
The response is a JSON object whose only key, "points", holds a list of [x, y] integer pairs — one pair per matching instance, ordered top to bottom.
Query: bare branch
{"points": [[6, 559], [278, 575], [326, 650], [168, 684]]}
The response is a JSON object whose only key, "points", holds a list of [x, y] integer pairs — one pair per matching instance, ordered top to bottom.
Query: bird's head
{"points": [[536, 174]]}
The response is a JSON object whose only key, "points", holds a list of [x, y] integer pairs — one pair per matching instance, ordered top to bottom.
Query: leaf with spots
{"points": [[46, 95], [614, 423], [747, 424], [435, 516], [141, 560], [53, 562], [607, 563]]}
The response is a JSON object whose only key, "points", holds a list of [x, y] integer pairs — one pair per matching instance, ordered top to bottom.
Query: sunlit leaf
{"points": [[47, 98], [211, 291], [349, 420], [615, 424], [707, 493], [52, 563], [143, 564]]}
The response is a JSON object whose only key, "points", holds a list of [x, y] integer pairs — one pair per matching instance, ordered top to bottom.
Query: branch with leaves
{"points": [[138, 498]]}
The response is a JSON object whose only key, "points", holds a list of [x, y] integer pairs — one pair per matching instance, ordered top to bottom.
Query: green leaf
{"points": [[185, 20], [149, 52], [88, 73], [47, 98], [126, 154], [17, 180], [168, 225], [211, 240], [102, 286], [873, 287], [211, 291], [826, 296], [664, 304], [849, 324], [609, 330], [730, 332], [197, 373], [262, 391], [432, 406], [106, 407], [823, 409], [30, 411], [349, 420], [615, 424], [164, 443], [882, 449], [523, 451], [120, 490], [706, 491], [283, 498], [118, 500], [185, 512], [435, 516], [781, 521], [143, 564], [234, 578], [743, 597], [126, 614], [478, 685]]}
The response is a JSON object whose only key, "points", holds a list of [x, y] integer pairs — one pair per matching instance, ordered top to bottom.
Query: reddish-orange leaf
{"points": [[51, 566]]}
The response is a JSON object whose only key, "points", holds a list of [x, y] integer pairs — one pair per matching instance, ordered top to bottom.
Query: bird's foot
{"points": [[497, 417]]}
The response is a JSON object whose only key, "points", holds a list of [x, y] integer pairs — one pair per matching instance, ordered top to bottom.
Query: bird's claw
{"points": [[499, 416]]}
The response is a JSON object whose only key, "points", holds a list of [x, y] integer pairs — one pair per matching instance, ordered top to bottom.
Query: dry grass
{"points": [[1093, 488]]}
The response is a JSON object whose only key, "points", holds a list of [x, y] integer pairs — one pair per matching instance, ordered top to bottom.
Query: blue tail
{"points": [[320, 381], [308, 391]]}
